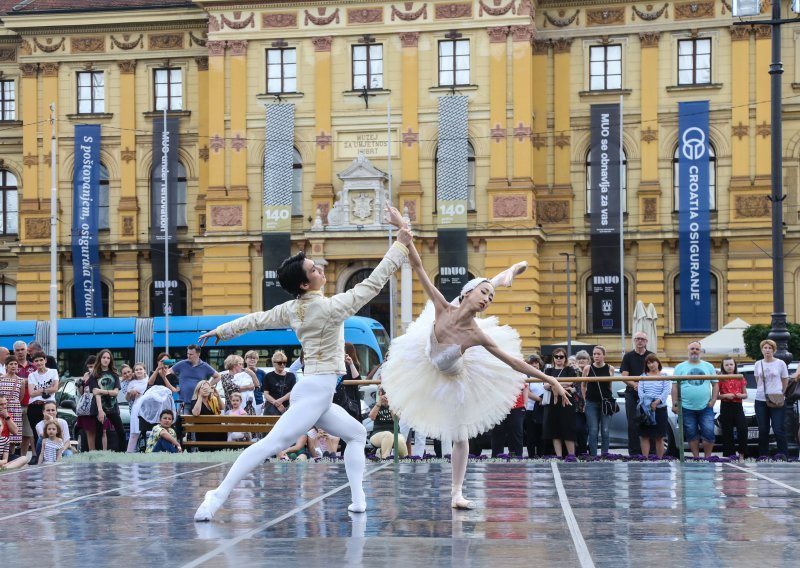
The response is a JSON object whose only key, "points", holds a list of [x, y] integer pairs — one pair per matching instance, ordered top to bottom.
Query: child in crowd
{"points": [[125, 376], [136, 387], [237, 410], [731, 413], [50, 414], [162, 437], [53, 444], [296, 452]]}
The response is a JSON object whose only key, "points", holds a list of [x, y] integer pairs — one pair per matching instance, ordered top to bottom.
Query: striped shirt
{"points": [[655, 390], [50, 449]]}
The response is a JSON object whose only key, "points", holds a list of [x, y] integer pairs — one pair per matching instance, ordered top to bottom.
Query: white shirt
{"points": [[319, 321], [769, 375], [243, 379], [40, 380], [538, 390], [64, 430]]}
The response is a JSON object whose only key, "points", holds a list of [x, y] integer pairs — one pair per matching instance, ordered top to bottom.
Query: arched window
{"points": [[470, 177], [712, 178], [624, 181], [297, 184], [180, 192], [9, 204], [102, 208], [713, 292], [105, 296], [177, 298], [8, 302], [378, 307], [590, 307]]}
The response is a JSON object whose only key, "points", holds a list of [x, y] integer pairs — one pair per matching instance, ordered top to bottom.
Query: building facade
{"points": [[365, 80]]}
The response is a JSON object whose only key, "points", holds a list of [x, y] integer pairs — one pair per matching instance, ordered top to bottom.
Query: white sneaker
{"points": [[205, 512]]}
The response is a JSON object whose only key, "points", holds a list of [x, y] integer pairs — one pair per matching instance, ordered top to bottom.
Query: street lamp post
{"points": [[567, 255], [779, 332]]}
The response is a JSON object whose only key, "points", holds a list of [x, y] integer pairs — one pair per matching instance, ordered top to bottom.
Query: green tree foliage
{"points": [[755, 334]]}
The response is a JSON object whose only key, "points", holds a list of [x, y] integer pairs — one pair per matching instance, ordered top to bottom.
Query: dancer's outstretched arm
{"points": [[439, 301], [525, 368]]}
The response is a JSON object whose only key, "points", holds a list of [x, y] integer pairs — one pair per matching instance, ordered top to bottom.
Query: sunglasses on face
{"points": [[558, 357], [280, 362]]}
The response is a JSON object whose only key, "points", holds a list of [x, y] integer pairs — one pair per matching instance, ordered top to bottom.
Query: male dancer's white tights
{"points": [[309, 404]]}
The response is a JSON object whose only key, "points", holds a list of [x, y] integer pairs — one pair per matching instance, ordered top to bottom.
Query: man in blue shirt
{"points": [[191, 371], [697, 399]]}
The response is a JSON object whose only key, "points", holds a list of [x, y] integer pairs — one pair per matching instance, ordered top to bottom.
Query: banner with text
{"points": [[452, 179], [605, 195], [163, 215], [276, 220], [694, 221], [85, 222]]}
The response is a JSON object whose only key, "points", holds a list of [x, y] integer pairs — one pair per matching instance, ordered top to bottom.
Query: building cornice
{"points": [[107, 21]]}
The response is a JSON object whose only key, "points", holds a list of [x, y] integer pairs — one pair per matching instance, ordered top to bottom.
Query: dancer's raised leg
{"points": [[310, 399], [336, 421], [458, 460]]}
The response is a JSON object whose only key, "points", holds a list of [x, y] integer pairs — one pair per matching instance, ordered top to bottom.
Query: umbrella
{"points": [[639, 320], [652, 333], [728, 341]]}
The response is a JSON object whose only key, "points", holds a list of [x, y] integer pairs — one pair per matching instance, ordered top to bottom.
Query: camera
{"points": [[168, 362]]}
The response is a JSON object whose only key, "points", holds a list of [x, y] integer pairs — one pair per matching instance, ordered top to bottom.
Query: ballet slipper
{"points": [[505, 278], [459, 502], [211, 503], [357, 507]]}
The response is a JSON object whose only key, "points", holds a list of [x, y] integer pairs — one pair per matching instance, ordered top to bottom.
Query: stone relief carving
{"points": [[496, 10], [693, 10], [450, 11], [408, 15], [365, 16], [605, 16], [649, 16], [321, 19], [284, 20], [560, 21], [237, 23], [409, 39], [166, 41], [198, 41], [125, 44], [87, 45], [48, 46], [8, 54], [127, 66], [361, 206], [509, 206], [751, 206], [650, 209], [553, 211], [226, 215], [127, 226], [37, 228]]}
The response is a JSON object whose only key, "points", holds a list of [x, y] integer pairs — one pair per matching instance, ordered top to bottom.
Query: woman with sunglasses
{"points": [[454, 376], [277, 386], [561, 423]]}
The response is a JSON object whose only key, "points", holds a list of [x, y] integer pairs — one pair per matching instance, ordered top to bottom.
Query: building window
{"points": [[694, 61], [454, 62], [367, 67], [605, 67], [282, 70], [91, 92], [168, 92], [8, 100], [470, 177], [712, 178], [624, 180], [297, 184], [180, 192], [9, 204], [102, 209], [713, 293], [105, 295], [177, 298], [8, 302], [590, 308]]}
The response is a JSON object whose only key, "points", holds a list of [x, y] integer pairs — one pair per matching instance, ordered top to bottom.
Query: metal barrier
{"points": [[680, 442]]}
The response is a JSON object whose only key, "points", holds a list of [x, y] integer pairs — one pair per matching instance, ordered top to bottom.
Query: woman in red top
{"points": [[731, 414], [509, 431]]}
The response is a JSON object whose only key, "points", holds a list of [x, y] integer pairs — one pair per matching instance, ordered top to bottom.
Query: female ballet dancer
{"points": [[318, 322], [453, 376]]}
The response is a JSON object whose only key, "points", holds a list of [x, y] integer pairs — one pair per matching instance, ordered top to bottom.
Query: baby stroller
{"points": [[146, 413]]}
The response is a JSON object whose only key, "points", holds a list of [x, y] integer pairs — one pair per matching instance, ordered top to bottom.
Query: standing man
{"points": [[319, 324], [36, 347], [633, 366], [26, 367], [191, 371], [697, 399]]}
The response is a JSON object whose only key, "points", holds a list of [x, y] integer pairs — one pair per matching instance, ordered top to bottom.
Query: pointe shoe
{"points": [[506, 277], [459, 502], [209, 506], [357, 507]]}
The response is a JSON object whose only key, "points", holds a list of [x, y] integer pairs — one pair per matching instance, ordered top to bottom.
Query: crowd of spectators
{"points": [[31, 432]]}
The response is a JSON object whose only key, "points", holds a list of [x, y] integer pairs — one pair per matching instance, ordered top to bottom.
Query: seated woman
{"points": [[206, 402], [383, 429], [297, 451]]}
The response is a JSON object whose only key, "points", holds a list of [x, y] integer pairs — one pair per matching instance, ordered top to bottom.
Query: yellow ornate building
{"points": [[366, 77]]}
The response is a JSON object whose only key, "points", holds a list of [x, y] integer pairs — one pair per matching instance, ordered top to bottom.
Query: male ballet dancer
{"points": [[318, 322]]}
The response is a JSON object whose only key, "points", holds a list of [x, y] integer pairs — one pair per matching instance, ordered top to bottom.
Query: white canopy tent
{"points": [[728, 341]]}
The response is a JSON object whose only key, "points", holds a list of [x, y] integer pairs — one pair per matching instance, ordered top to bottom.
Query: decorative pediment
{"points": [[362, 169]]}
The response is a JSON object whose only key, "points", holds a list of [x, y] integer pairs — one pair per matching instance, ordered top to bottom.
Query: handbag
{"points": [[792, 392], [343, 398], [773, 400], [84, 406], [609, 406]]}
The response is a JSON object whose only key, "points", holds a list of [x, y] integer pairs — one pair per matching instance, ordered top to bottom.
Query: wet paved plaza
{"points": [[537, 513]]}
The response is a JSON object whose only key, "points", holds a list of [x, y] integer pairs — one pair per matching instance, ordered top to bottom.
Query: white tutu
{"points": [[150, 405], [451, 406]]}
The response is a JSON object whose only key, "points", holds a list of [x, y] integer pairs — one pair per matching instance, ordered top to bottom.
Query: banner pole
{"points": [[389, 194], [165, 200], [622, 200], [53, 339]]}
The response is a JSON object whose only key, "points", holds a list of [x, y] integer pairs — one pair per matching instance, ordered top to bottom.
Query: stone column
{"points": [[540, 92], [562, 94], [498, 105], [410, 191], [322, 196], [128, 212]]}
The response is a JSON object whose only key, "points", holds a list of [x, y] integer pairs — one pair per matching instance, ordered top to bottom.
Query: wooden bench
{"points": [[224, 424]]}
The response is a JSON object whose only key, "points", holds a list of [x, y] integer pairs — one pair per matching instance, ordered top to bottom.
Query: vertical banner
{"points": [[452, 179], [604, 185], [163, 214], [276, 220], [85, 222], [694, 223]]}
